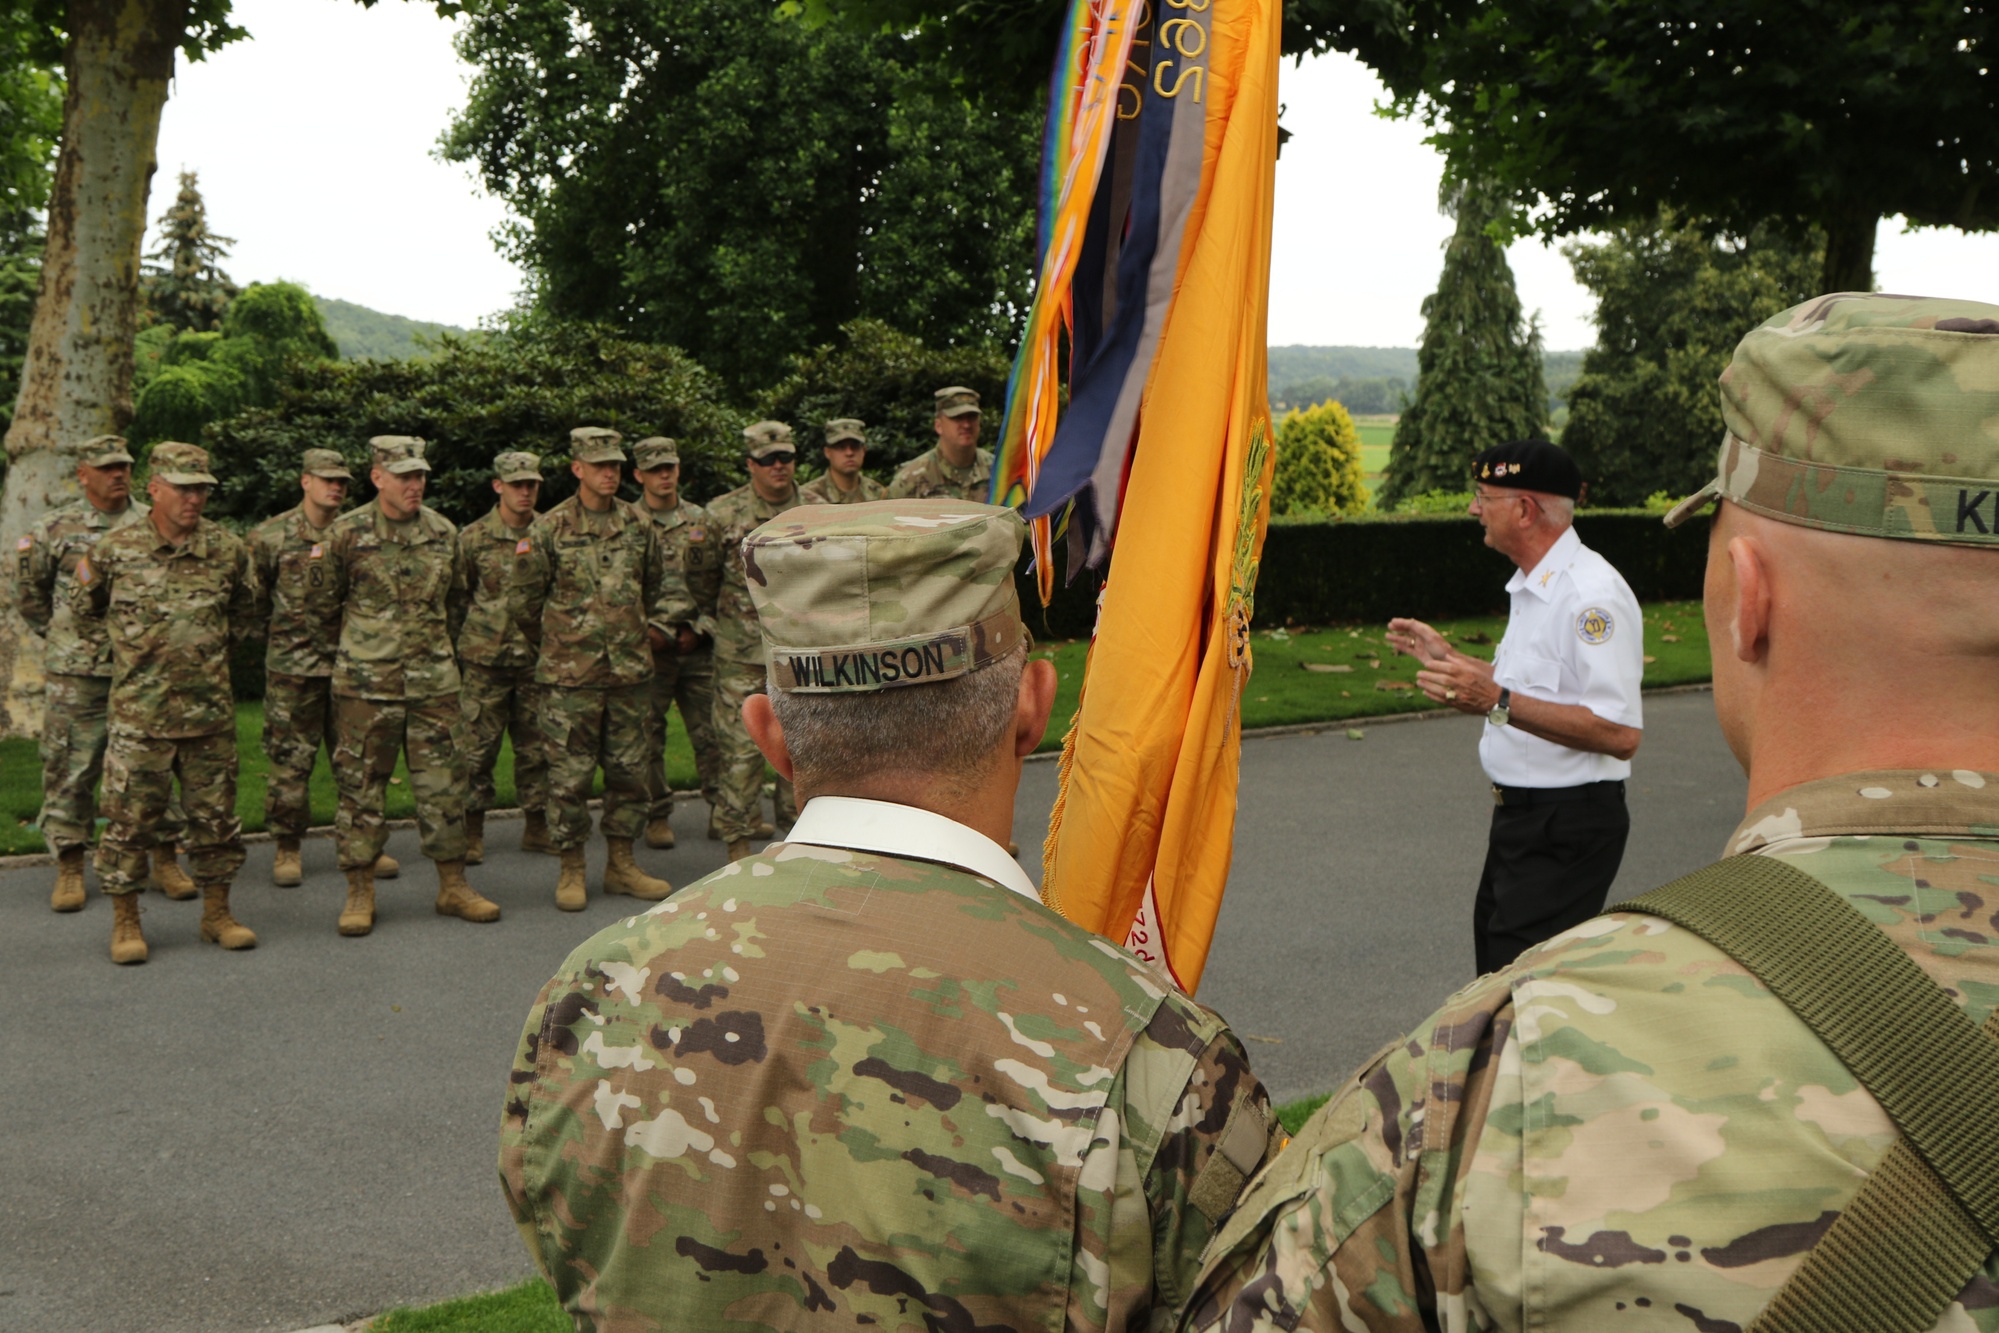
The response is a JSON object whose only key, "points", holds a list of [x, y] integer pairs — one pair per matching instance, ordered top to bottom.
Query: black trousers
{"points": [[1547, 867]]}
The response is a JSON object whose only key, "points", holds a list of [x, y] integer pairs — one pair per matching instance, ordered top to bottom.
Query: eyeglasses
{"points": [[775, 460], [1486, 497]]}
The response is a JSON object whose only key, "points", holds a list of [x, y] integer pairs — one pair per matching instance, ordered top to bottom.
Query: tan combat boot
{"points": [[765, 829], [534, 832], [659, 834], [475, 837], [739, 848], [387, 867], [287, 870], [623, 875], [169, 878], [571, 892], [68, 895], [457, 898], [357, 917], [217, 926], [128, 944]]}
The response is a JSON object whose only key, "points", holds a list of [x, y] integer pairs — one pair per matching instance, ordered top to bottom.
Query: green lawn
{"points": [[1375, 434], [1282, 692], [530, 1307]]}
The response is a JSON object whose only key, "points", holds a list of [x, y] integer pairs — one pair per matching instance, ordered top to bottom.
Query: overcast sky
{"points": [[314, 142]]}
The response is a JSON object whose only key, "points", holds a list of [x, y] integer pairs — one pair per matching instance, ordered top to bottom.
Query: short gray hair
{"points": [[947, 729]]}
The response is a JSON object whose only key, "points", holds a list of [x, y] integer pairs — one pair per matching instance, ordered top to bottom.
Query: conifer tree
{"points": [[184, 285], [1478, 371]]}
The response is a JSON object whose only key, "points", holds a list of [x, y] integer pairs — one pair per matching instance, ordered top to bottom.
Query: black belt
{"points": [[1589, 791]]}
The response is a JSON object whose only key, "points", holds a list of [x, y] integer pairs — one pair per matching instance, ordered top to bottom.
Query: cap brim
{"points": [[962, 410], [847, 439], [778, 451], [107, 460], [652, 463], [406, 465], [330, 473], [520, 476], [186, 478], [1693, 504]]}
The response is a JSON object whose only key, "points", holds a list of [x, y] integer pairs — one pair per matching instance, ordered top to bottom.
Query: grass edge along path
{"points": [[1337, 673], [530, 1306]]}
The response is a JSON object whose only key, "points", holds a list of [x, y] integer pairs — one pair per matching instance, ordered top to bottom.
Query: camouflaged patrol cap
{"points": [[956, 401], [1865, 413], [846, 428], [766, 438], [596, 444], [103, 451], [655, 451], [398, 454], [324, 463], [181, 464], [517, 465], [868, 597]]}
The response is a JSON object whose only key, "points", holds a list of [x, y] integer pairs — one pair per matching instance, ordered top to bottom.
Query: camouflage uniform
{"points": [[930, 476], [821, 490], [603, 580], [297, 602], [172, 614], [496, 657], [78, 666], [739, 668], [685, 678], [395, 679], [834, 1085], [1624, 1128]]}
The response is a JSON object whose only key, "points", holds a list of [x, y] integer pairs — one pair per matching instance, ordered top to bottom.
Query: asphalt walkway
{"points": [[306, 1133]]}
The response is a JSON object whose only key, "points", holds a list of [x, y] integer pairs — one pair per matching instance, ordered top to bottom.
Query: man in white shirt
{"points": [[1560, 699], [865, 1077]]}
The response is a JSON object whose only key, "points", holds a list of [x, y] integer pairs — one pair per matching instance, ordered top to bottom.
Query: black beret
{"points": [[1529, 465]]}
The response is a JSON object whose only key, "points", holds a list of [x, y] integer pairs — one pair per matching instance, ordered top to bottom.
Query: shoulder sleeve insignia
{"points": [[25, 544], [523, 546], [1595, 625]]}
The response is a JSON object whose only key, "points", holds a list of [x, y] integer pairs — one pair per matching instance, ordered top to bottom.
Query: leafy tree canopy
{"points": [[31, 92], [736, 181], [1672, 302], [197, 377], [884, 378], [1478, 379], [476, 396], [1318, 464]]}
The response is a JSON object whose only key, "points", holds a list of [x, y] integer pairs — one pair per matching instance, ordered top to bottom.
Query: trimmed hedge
{"points": [[1431, 567]]}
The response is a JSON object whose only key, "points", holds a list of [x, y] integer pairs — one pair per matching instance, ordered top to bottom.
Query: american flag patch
{"points": [[25, 544], [523, 546], [317, 551], [83, 574]]}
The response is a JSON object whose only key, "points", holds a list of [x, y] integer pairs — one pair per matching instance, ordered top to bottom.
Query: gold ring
{"points": [[1451, 695]]}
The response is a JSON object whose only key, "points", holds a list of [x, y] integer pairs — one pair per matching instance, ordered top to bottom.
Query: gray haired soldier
{"points": [[956, 468], [843, 482], [609, 594], [173, 595], [299, 617], [497, 648], [77, 663], [739, 665], [684, 670], [395, 682], [865, 1078], [1751, 1099]]}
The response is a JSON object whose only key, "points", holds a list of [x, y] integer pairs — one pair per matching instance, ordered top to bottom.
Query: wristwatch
{"points": [[1502, 712]]}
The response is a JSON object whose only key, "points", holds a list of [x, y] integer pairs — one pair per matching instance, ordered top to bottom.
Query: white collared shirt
{"points": [[1574, 635], [903, 830]]}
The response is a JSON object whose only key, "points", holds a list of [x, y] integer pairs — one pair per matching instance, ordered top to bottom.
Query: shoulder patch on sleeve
{"points": [[25, 544], [1595, 625], [1244, 1143]]}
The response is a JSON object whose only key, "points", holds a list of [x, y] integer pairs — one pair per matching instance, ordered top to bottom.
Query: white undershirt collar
{"points": [[903, 830]]}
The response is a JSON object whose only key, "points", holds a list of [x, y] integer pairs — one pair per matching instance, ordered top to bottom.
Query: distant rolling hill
{"points": [[358, 331]]}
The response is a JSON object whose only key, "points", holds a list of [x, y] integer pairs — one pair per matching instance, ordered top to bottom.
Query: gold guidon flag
{"points": [[1161, 463]]}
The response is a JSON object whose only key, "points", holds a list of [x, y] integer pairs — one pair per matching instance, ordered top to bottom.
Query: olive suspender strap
{"points": [[1926, 1220]]}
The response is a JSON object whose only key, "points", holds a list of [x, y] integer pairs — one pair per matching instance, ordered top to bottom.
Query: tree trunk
{"points": [[1849, 251], [77, 381]]}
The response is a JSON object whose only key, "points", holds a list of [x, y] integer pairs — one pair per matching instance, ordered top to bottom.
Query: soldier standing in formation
{"points": [[956, 469], [843, 482], [173, 594], [609, 594], [299, 616], [497, 649], [739, 653], [78, 666], [683, 671], [395, 682], [922, 1090]]}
